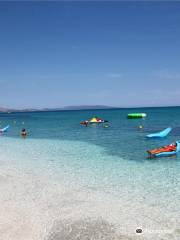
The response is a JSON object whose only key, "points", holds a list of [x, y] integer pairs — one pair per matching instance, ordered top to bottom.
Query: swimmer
{"points": [[85, 123], [106, 125], [23, 133]]}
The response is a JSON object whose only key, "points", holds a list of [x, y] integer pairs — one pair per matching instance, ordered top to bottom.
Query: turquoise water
{"points": [[122, 139], [109, 160]]}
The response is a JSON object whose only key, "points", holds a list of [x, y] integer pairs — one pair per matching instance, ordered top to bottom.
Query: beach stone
{"points": [[84, 230], [139, 230]]}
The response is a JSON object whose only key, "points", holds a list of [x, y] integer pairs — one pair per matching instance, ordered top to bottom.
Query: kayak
{"points": [[136, 115], [163, 133], [169, 150]]}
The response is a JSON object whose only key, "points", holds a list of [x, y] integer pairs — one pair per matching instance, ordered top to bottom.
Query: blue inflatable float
{"points": [[4, 129], [161, 134], [165, 151]]}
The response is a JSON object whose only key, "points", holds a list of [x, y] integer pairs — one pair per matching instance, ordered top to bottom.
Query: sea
{"points": [[109, 161]]}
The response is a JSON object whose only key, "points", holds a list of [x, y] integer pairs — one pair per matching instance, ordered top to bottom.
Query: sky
{"points": [[123, 54]]}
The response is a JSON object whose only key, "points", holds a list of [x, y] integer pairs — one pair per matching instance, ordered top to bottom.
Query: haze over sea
{"points": [[65, 180]]}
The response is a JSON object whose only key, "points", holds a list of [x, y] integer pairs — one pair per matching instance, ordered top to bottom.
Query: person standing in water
{"points": [[23, 133]]}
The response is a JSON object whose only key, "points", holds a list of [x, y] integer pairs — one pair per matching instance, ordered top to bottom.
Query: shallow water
{"points": [[108, 162]]}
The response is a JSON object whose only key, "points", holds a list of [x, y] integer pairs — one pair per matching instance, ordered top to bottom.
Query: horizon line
{"points": [[78, 107]]}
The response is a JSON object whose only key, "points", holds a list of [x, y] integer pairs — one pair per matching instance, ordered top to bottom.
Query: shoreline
{"points": [[37, 207]]}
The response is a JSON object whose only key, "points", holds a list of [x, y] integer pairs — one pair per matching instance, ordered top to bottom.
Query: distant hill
{"points": [[81, 107], [84, 107], [3, 109], [8, 110]]}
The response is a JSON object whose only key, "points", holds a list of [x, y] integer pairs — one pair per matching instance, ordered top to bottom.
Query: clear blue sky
{"points": [[55, 54]]}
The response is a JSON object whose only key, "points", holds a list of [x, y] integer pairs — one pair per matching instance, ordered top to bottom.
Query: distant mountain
{"points": [[81, 107], [3, 109], [9, 110]]}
